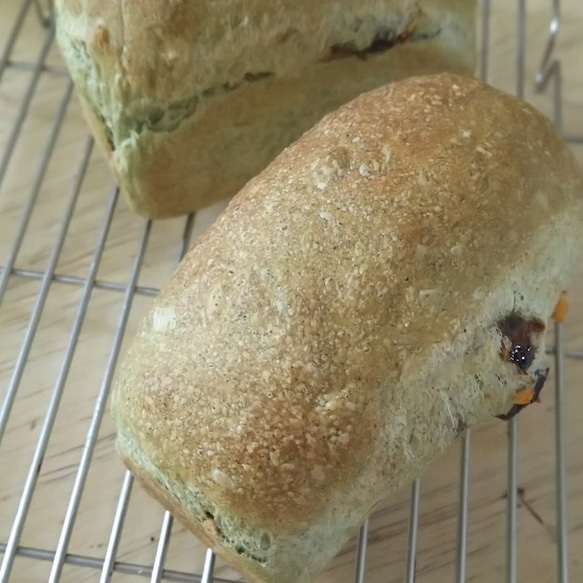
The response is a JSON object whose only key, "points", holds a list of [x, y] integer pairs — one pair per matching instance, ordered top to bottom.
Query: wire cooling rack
{"points": [[77, 272]]}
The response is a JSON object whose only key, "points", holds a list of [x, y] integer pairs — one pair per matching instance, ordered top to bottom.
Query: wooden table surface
{"points": [[437, 535]]}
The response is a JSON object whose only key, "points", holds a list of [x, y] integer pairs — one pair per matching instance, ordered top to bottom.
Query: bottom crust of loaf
{"points": [[251, 551]]}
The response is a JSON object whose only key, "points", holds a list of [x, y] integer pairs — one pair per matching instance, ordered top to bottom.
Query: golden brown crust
{"points": [[344, 319], [269, 362]]}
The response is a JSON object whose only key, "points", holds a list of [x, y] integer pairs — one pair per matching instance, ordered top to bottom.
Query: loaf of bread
{"points": [[189, 99], [382, 286]]}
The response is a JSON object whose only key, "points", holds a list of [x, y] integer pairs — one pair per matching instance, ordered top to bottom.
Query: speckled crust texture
{"points": [[190, 99], [338, 326]]}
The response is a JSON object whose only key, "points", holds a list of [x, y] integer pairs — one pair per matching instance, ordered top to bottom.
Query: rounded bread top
{"points": [[173, 50], [273, 355]]}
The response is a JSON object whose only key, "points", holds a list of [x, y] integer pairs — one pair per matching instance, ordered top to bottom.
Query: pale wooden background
{"points": [[387, 549]]}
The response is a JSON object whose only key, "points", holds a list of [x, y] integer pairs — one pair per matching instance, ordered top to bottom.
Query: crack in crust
{"points": [[384, 40]]}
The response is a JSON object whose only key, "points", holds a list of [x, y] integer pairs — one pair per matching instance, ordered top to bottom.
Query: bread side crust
{"points": [[237, 135], [180, 141]]}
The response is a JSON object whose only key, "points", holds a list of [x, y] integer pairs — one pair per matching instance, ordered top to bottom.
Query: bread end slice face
{"points": [[382, 286]]}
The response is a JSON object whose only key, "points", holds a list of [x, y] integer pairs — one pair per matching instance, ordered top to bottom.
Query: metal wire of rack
{"points": [[108, 565]]}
